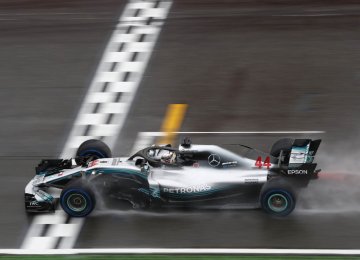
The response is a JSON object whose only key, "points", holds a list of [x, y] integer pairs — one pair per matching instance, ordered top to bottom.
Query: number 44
{"points": [[260, 164]]}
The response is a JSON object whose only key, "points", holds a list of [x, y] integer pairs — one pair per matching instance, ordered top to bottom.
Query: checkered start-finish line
{"points": [[119, 74], [105, 106]]}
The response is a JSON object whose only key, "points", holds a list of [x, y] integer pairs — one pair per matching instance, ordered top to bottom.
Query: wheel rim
{"points": [[76, 202], [277, 202]]}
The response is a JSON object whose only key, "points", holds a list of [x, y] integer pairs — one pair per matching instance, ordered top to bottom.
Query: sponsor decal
{"points": [[299, 154], [214, 160], [93, 163], [229, 164], [196, 165], [293, 172], [251, 180], [191, 189], [44, 196], [33, 203]]}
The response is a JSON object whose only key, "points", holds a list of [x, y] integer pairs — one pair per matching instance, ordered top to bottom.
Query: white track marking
{"points": [[312, 15], [132, 42], [106, 105], [256, 132], [157, 134], [145, 139], [195, 251]]}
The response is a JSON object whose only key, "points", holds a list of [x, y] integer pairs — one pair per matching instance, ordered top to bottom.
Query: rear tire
{"points": [[285, 145], [278, 198], [77, 200]]}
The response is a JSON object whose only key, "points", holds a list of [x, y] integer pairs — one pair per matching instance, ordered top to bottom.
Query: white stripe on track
{"points": [[126, 56], [106, 105], [256, 132], [144, 135], [145, 139], [193, 251]]}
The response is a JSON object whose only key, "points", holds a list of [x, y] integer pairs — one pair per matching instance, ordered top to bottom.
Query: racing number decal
{"points": [[267, 163], [260, 164]]}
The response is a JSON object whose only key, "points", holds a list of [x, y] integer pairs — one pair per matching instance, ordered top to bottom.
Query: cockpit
{"points": [[163, 155]]}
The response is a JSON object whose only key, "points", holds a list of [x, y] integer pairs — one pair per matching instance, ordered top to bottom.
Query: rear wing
{"points": [[303, 151], [299, 161]]}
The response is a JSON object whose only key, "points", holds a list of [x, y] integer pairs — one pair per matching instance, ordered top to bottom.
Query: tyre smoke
{"points": [[337, 189]]}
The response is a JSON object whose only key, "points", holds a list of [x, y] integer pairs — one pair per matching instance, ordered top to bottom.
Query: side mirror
{"points": [[140, 162]]}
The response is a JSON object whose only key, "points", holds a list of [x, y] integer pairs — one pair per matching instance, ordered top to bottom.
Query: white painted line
{"points": [[140, 5], [154, 12], [52, 14], [311, 15], [146, 30], [126, 38], [127, 41], [140, 47], [117, 56], [133, 66], [109, 76], [122, 86], [100, 97], [105, 107], [113, 108], [87, 119], [104, 130], [257, 132], [157, 134], [77, 140], [143, 140], [50, 218], [62, 230], [70, 241], [40, 243], [194, 251]]}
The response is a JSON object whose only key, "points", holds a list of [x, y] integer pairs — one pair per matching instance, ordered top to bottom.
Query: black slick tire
{"points": [[285, 145], [95, 148], [278, 197], [77, 199]]}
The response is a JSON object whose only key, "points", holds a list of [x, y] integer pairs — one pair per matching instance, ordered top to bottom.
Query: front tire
{"points": [[93, 148], [277, 198], [77, 200]]}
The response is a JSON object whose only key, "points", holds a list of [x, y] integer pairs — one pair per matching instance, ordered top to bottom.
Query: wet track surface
{"points": [[48, 60], [240, 66]]}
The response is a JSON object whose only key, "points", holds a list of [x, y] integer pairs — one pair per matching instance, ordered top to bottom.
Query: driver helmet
{"points": [[151, 153], [169, 158]]}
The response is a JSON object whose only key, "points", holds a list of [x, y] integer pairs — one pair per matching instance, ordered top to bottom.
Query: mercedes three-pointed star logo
{"points": [[214, 160]]}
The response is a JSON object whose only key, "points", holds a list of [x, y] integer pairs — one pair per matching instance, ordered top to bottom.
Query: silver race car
{"points": [[196, 176]]}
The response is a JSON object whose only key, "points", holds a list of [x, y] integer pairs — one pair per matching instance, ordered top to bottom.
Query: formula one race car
{"points": [[162, 176]]}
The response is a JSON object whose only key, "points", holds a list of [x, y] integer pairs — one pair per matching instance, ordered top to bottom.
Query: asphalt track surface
{"points": [[239, 65]]}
